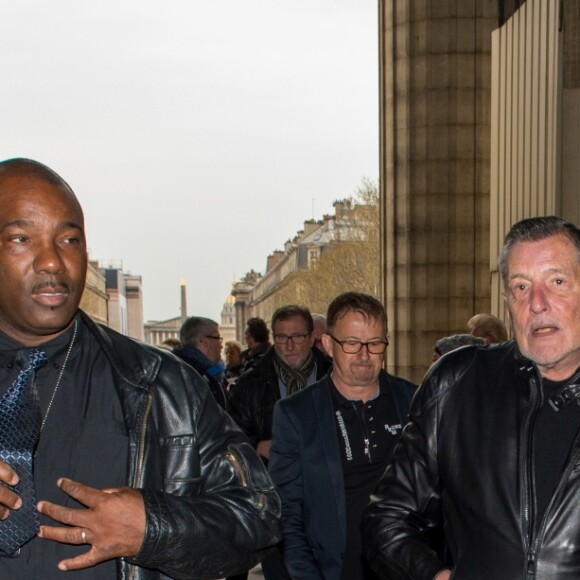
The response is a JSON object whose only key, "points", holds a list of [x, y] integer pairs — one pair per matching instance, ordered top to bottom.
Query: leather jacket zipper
{"points": [[141, 456], [575, 456], [232, 458], [140, 461], [242, 475], [529, 493]]}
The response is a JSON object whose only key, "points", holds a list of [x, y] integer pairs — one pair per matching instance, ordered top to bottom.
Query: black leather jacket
{"points": [[255, 393], [466, 453], [211, 509]]}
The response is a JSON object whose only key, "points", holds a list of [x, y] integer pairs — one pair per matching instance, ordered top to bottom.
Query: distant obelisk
{"points": [[183, 301]]}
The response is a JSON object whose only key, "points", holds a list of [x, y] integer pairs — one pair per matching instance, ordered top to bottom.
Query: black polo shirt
{"points": [[367, 433], [553, 437], [84, 438]]}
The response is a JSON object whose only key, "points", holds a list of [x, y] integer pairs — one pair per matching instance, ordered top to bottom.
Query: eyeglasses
{"points": [[220, 338], [295, 338], [351, 346]]}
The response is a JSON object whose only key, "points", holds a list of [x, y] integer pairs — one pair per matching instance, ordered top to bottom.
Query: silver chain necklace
{"points": [[55, 389]]}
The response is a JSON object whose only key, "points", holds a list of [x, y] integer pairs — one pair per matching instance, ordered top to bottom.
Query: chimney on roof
{"points": [[339, 209], [310, 226], [273, 259]]}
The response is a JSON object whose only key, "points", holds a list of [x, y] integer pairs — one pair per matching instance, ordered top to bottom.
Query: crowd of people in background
{"points": [[222, 375], [324, 468]]}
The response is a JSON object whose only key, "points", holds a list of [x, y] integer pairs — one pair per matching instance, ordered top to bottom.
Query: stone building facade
{"points": [[241, 292], [257, 295], [114, 298], [94, 299], [125, 303], [228, 320], [156, 331]]}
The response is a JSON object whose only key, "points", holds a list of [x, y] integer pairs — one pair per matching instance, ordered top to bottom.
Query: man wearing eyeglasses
{"points": [[201, 348], [289, 366], [332, 442]]}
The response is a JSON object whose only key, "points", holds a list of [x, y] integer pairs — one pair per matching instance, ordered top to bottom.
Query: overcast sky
{"points": [[197, 134]]}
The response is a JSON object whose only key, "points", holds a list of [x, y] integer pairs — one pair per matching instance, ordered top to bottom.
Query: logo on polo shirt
{"points": [[393, 429]]}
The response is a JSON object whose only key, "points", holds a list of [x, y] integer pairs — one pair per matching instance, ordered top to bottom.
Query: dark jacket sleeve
{"points": [[403, 391], [241, 408], [286, 471], [407, 500], [218, 510]]}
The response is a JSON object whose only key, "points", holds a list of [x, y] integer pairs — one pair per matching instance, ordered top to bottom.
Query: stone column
{"points": [[435, 83]]}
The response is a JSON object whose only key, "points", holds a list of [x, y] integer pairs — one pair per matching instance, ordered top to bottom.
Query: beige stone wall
{"points": [[435, 82], [571, 113], [571, 154], [534, 164], [265, 296], [94, 299]]}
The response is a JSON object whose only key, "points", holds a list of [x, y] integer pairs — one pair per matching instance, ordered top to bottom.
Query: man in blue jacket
{"points": [[332, 442]]}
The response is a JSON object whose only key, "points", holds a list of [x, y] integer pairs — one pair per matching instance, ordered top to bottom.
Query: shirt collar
{"points": [[54, 348], [342, 401]]}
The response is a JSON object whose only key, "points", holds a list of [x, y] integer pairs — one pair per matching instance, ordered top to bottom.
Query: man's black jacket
{"points": [[255, 394], [466, 456], [211, 509]]}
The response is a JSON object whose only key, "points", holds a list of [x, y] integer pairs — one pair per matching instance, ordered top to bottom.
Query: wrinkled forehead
{"points": [[16, 188], [558, 247], [296, 321]]}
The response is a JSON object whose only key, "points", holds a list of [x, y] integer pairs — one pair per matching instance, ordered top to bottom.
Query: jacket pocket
{"points": [[182, 462]]}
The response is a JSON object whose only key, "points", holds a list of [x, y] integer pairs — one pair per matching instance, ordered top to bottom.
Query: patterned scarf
{"points": [[294, 379]]}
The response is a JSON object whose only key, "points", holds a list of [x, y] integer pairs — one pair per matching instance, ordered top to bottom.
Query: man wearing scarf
{"points": [[201, 347], [290, 365]]}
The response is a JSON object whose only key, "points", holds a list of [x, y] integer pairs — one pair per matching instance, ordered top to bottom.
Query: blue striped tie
{"points": [[20, 420]]}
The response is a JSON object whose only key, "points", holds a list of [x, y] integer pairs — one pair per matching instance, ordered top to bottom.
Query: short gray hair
{"points": [[534, 230], [194, 328]]}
